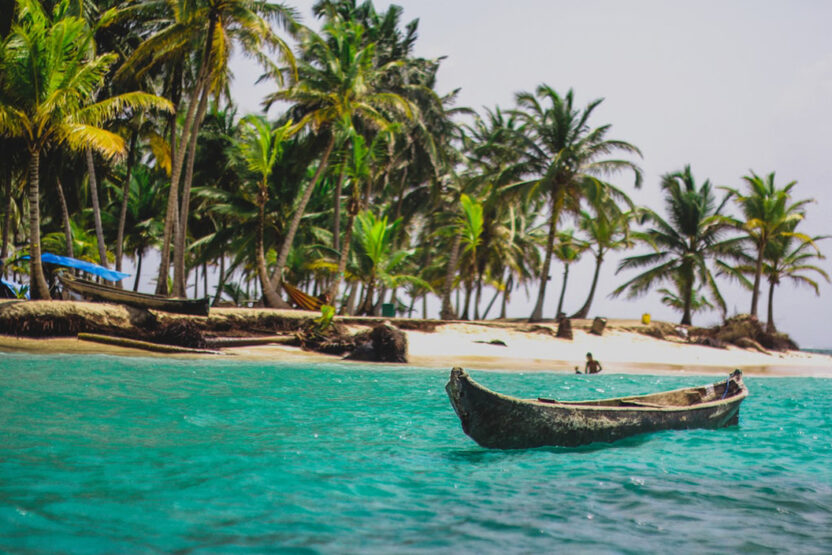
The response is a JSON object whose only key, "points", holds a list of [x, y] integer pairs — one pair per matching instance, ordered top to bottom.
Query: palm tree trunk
{"points": [[125, 195], [400, 202], [7, 207], [96, 210], [171, 215], [336, 218], [172, 222], [70, 250], [342, 260], [138, 271], [758, 271], [179, 275], [277, 277], [205, 279], [220, 282], [38, 288], [562, 290], [688, 292], [506, 294], [272, 298], [478, 298], [379, 301], [490, 304], [349, 306], [410, 306], [366, 307], [424, 307], [584, 310], [447, 311], [537, 313], [466, 314], [770, 323]]}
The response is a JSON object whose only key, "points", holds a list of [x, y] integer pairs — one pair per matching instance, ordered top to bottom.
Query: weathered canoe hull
{"points": [[96, 291], [499, 421]]}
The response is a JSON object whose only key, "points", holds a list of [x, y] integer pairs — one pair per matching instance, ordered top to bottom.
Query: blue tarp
{"points": [[88, 267], [15, 287]]}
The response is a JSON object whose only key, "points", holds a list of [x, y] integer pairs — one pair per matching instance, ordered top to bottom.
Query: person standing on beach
{"points": [[592, 365]]}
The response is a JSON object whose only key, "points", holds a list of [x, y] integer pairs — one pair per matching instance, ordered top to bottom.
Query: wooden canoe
{"points": [[106, 293], [502, 422]]}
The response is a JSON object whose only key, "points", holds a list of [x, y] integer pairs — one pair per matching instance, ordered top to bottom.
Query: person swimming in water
{"points": [[592, 365]]}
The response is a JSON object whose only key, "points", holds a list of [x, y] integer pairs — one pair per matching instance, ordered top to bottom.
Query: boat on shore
{"points": [[107, 293], [499, 421]]}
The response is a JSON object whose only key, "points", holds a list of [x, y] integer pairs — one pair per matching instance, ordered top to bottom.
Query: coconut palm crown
{"points": [[49, 75], [568, 158], [768, 213], [694, 234]]}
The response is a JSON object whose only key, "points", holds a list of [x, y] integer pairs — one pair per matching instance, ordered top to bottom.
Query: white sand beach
{"points": [[472, 345]]}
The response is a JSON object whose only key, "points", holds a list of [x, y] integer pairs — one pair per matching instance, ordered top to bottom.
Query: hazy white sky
{"points": [[725, 86]]}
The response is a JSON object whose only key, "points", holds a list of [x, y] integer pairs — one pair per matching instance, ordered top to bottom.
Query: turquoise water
{"points": [[120, 455]]}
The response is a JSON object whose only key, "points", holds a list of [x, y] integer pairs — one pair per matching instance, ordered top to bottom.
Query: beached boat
{"points": [[106, 293], [503, 422]]}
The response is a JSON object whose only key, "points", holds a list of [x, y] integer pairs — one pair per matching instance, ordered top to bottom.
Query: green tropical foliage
{"points": [[49, 75], [568, 159], [382, 190], [768, 214], [608, 229], [695, 233], [568, 250], [789, 257]]}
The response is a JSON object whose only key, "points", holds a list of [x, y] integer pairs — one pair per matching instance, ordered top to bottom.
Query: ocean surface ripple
{"points": [[102, 454]]}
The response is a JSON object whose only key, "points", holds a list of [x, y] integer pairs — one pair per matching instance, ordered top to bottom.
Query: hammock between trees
{"points": [[301, 299]]}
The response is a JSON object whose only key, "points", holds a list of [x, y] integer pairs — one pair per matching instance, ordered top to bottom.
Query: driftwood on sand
{"points": [[144, 345]]}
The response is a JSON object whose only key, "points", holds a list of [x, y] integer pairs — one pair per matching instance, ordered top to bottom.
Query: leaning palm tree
{"points": [[208, 31], [49, 73], [338, 85], [260, 146], [568, 158], [769, 214], [607, 230], [695, 233], [568, 250], [789, 257]]}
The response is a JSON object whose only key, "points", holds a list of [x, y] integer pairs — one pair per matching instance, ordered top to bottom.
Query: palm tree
{"points": [[209, 30], [48, 77], [338, 85], [260, 146], [568, 156], [359, 171], [145, 204], [768, 215], [607, 230], [683, 246], [568, 250], [789, 257], [379, 262]]}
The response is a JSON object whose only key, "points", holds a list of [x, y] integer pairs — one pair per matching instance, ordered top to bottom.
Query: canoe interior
{"points": [[687, 397]]}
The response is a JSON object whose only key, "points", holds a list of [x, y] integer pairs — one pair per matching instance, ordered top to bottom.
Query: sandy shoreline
{"points": [[469, 345]]}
